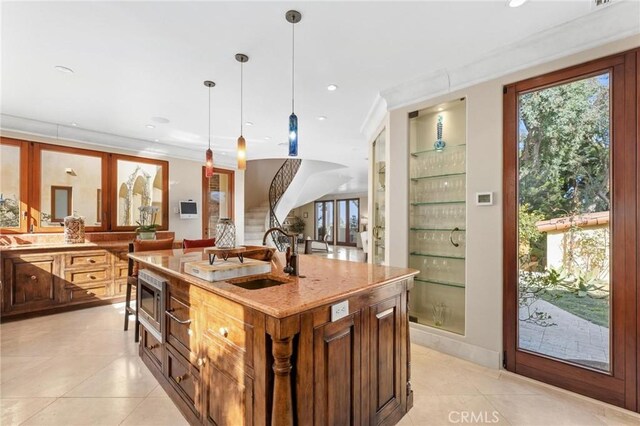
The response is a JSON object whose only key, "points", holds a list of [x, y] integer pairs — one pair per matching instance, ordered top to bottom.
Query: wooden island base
{"points": [[225, 363]]}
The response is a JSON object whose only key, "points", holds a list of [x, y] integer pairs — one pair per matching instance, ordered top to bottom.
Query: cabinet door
{"points": [[31, 283], [385, 363], [337, 372], [229, 390]]}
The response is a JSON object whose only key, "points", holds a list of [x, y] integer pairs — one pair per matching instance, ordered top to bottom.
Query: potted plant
{"points": [[147, 225]]}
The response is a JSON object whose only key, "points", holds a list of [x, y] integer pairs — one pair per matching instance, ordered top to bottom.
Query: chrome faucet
{"points": [[292, 253]]}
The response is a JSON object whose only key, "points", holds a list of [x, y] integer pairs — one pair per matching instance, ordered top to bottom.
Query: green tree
{"points": [[564, 148]]}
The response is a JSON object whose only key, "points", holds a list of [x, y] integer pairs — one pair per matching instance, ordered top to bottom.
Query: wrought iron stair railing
{"points": [[279, 185]]}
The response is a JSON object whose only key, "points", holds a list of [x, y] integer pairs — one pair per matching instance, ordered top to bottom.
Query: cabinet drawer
{"points": [[76, 260], [121, 271], [86, 277], [98, 292], [181, 324], [230, 332], [151, 347], [184, 379]]}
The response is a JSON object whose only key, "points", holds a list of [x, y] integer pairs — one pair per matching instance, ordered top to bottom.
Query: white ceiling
{"points": [[138, 60]]}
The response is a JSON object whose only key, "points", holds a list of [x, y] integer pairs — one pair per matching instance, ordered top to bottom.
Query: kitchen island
{"points": [[329, 347]]}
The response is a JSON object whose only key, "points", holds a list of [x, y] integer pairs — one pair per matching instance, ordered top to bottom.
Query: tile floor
{"points": [[80, 368]]}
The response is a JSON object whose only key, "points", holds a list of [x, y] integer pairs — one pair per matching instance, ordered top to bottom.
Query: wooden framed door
{"points": [[217, 199], [324, 221], [347, 221], [570, 229]]}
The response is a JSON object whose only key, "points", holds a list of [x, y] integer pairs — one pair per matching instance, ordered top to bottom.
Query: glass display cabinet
{"points": [[437, 141], [379, 198]]}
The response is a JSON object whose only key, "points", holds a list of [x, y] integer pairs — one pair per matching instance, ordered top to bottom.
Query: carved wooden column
{"points": [[282, 332], [282, 413]]}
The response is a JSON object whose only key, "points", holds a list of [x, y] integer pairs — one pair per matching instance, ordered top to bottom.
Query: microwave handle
{"points": [[176, 319]]}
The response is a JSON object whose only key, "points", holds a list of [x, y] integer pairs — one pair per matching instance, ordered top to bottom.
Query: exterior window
{"points": [[139, 183], [11, 196]]}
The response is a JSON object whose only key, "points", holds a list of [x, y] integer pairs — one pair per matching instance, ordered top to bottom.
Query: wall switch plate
{"points": [[484, 198], [339, 310]]}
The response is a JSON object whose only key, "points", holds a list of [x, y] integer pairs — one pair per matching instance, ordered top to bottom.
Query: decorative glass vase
{"points": [[73, 229], [225, 233]]}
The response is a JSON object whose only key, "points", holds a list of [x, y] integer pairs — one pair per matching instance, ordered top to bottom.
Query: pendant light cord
{"points": [[293, 65], [241, 95], [209, 117]]}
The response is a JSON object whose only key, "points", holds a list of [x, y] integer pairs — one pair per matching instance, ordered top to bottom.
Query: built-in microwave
{"points": [[151, 291]]}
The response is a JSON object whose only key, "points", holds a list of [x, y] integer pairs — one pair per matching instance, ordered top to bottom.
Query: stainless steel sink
{"points": [[258, 283]]}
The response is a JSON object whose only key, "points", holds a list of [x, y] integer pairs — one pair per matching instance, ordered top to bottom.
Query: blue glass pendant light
{"points": [[293, 17], [439, 144]]}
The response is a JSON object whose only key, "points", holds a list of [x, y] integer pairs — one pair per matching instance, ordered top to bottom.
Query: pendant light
{"points": [[293, 17], [242, 144], [208, 171]]}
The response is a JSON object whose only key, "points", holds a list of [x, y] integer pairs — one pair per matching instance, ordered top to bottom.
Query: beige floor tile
{"points": [[11, 367], [55, 377], [124, 377], [158, 392], [439, 410], [538, 410], [16, 411], [85, 411], [155, 412], [617, 418], [405, 421]]}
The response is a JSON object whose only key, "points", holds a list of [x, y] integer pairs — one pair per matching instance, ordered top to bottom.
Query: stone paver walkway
{"points": [[573, 338]]}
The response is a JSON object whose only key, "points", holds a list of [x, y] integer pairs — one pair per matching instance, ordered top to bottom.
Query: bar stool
{"points": [[132, 276], [132, 281]]}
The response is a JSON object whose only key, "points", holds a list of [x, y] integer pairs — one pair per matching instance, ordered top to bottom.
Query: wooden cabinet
{"points": [[38, 280], [31, 282], [227, 364], [337, 372]]}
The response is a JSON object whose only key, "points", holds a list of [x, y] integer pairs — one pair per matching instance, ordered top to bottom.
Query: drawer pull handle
{"points": [[91, 260], [93, 277], [34, 278], [176, 319], [224, 332], [201, 362], [181, 378]]}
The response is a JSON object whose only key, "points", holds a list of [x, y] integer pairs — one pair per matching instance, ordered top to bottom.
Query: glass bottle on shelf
{"points": [[437, 234]]}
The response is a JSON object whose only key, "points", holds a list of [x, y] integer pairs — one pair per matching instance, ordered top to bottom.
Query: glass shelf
{"points": [[417, 153], [415, 179], [438, 202], [437, 229], [415, 253], [444, 283]]}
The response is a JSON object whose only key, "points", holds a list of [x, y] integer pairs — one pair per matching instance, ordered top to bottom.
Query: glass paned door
{"points": [[379, 198], [218, 200], [324, 221], [348, 221], [564, 221]]}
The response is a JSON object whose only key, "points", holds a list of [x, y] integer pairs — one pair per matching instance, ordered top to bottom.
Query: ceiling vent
{"points": [[598, 3]]}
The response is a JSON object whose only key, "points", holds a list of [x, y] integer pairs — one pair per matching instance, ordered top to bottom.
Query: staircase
{"points": [[254, 224]]}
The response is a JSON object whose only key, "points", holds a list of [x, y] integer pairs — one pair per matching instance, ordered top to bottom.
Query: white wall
{"points": [[258, 176], [185, 182], [483, 339]]}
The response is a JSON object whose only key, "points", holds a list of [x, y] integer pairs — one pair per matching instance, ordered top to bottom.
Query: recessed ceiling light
{"points": [[516, 3], [65, 70], [332, 87], [440, 109], [322, 117], [160, 120], [248, 123], [74, 124], [150, 126], [267, 138], [156, 140], [283, 143]]}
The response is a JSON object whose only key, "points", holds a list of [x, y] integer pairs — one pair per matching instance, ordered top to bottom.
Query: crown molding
{"points": [[614, 22], [376, 114], [42, 131]]}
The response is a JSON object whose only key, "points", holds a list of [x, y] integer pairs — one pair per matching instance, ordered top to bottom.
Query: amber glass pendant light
{"points": [[293, 17], [242, 144], [209, 154]]}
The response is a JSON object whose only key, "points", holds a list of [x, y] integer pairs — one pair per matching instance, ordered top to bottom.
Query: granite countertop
{"points": [[63, 246], [323, 280]]}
